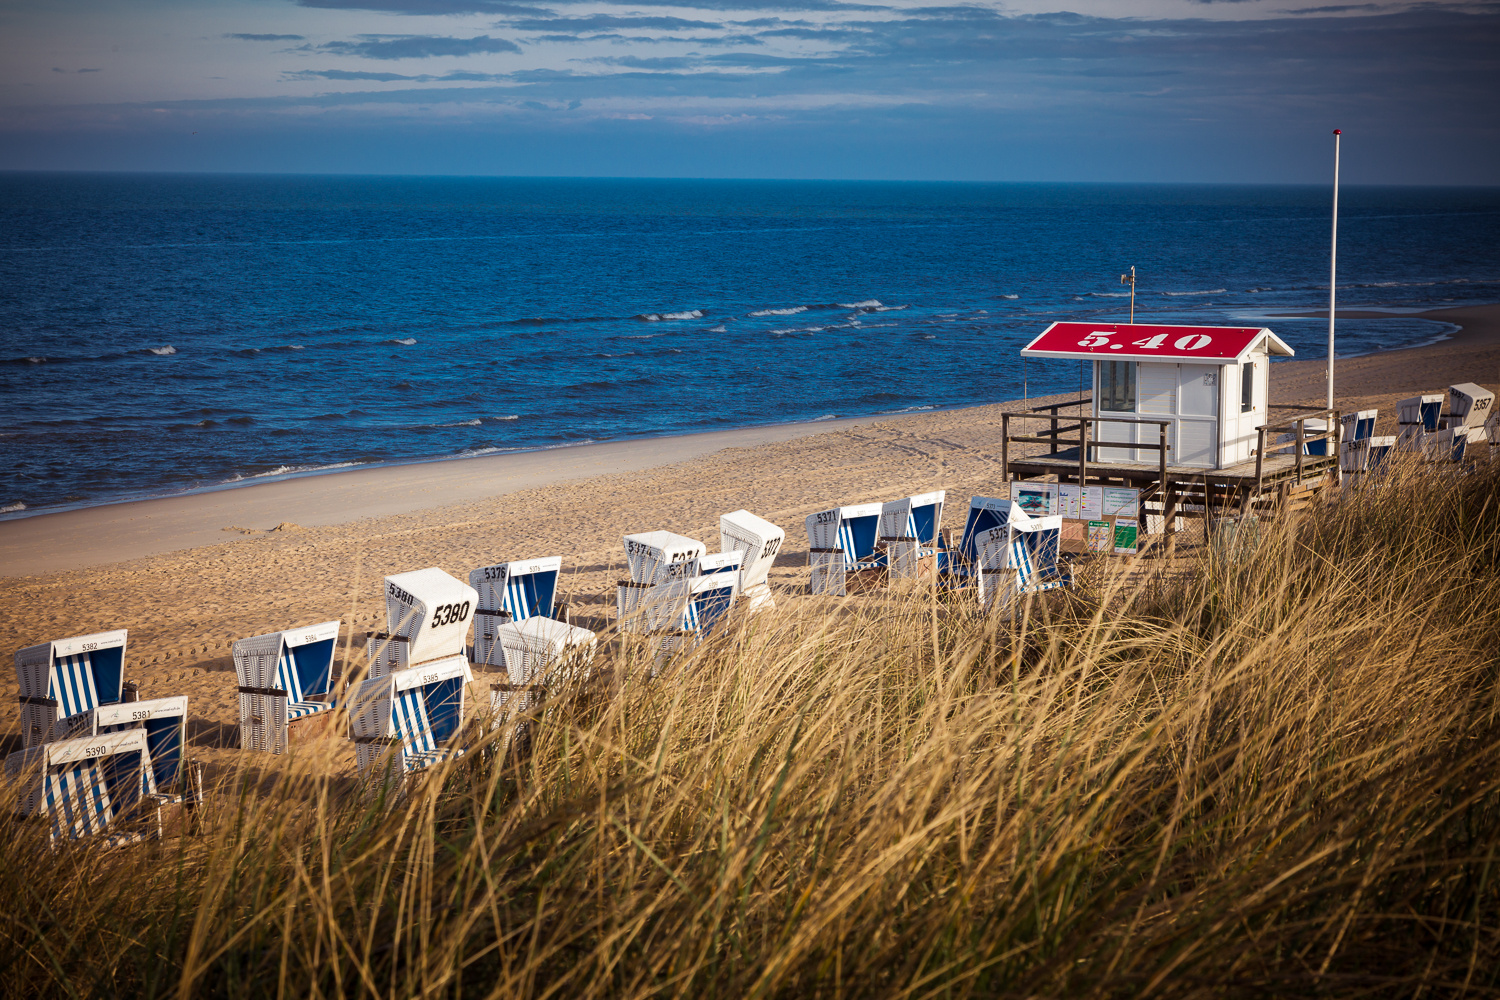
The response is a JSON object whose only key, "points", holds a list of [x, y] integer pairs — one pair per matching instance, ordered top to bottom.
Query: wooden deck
{"points": [[1274, 470]]}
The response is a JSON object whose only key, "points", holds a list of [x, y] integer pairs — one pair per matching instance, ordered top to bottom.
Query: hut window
{"points": [[1117, 386], [1247, 387]]}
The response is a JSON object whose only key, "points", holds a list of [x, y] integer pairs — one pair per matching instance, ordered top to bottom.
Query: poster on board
{"points": [[1036, 499], [1121, 501], [1080, 503], [1127, 532], [1099, 536]]}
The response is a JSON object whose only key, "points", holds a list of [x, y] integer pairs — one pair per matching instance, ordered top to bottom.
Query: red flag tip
{"points": [[1338, 131]]}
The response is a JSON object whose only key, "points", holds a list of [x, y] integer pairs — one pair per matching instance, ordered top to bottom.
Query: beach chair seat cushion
{"points": [[301, 709]]}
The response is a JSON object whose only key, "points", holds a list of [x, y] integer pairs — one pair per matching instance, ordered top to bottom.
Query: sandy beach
{"points": [[187, 575]]}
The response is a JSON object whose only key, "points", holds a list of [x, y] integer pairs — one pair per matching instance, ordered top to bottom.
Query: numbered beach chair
{"points": [[1472, 407], [1416, 417], [1356, 429], [909, 528], [758, 540], [841, 542], [658, 556], [1022, 558], [713, 563], [960, 567], [510, 592], [706, 604], [427, 616], [540, 654], [284, 678], [62, 682], [163, 720], [399, 720], [94, 786]]}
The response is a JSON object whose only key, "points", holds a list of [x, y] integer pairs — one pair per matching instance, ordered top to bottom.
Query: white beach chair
{"points": [[1472, 407], [1416, 417], [1356, 429], [909, 528], [758, 540], [842, 541], [658, 556], [1021, 558], [713, 563], [960, 567], [511, 592], [706, 603], [427, 616], [539, 654], [284, 677], [62, 682], [163, 720], [399, 720], [96, 785]]}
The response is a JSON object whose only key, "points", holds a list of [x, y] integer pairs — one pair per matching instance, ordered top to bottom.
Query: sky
{"points": [[1229, 91]]}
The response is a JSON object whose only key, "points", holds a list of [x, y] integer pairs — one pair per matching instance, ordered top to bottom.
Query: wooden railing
{"points": [[1053, 438]]}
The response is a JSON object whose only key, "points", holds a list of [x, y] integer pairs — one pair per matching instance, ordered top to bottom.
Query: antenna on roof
{"points": [[1333, 261], [1129, 279]]}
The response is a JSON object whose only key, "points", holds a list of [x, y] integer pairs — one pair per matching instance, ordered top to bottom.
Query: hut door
{"points": [[1198, 416]]}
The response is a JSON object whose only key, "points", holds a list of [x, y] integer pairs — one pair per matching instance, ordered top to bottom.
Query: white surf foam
{"points": [[1211, 291], [1008, 297], [866, 304], [886, 309], [794, 310], [659, 317], [718, 329], [404, 341], [163, 350], [826, 416], [12, 508]]}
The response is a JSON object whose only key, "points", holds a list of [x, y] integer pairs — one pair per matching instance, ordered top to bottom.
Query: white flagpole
{"points": [[1333, 261]]}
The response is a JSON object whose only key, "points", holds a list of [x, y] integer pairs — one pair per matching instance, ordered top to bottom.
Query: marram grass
{"points": [[1268, 777]]}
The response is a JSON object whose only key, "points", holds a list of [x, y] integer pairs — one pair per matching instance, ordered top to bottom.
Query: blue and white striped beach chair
{"points": [[1416, 418], [1356, 430], [910, 527], [842, 541], [1020, 558], [960, 567], [511, 592], [707, 603], [540, 654], [282, 678], [62, 682], [164, 721], [400, 721], [95, 785]]}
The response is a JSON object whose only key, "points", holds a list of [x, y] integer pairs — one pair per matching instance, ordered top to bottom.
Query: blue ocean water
{"points": [[166, 333]]}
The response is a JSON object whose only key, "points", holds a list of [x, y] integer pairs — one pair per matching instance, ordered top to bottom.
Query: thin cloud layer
{"points": [[419, 47]]}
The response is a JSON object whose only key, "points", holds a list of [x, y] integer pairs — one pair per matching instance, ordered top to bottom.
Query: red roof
{"points": [[1149, 342]]}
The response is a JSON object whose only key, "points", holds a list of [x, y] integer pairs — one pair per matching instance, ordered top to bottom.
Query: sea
{"points": [[164, 334]]}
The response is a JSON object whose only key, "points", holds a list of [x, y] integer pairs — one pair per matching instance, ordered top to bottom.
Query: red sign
{"points": [[1147, 342]]}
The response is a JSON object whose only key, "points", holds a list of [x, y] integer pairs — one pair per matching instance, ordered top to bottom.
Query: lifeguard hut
{"points": [[1182, 413]]}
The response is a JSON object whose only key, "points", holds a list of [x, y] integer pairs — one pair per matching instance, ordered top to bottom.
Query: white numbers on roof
{"points": [[1096, 339], [1192, 342]]}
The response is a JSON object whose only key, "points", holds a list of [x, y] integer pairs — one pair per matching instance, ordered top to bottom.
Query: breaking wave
{"points": [[1211, 291], [794, 310], [658, 317], [404, 341], [163, 350]]}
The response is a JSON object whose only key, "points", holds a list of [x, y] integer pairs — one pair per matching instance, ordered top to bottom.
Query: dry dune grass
{"points": [[1273, 776]]}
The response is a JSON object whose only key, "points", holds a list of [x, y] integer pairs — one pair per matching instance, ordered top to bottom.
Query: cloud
{"points": [[428, 7], [1338, 8], [606, 22], [247, 37], [419, 46], [59, 69], [348, 74]]}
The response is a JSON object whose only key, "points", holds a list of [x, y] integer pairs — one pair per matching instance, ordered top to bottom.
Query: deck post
{"points": [[1005, 447], [1299, 448], [1083, 450], [1162, 455], [1260, 456]]}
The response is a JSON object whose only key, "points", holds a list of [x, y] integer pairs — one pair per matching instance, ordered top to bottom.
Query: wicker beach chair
{"points": [[1417, 417], [1356, 430], [910, 528], [758, 540], [842, 542], [659, 556], [1021, 558], [960, 567], [510, 592], [427, 616], [540, 654], [285, 678], [62, 682], [163, 720], [398, 721], [91, 786]]}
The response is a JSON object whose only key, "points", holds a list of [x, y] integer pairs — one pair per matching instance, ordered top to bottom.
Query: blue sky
{"points": [[1160, 90]]}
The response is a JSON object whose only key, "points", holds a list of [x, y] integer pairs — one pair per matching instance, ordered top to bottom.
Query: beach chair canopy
{"points": [[1470, 405], [1417, 415], [1358, 425], [985, 514], [915, 518], [853, 531], [758, 539], [659, 556], [1020, 557], [720, 562], [523, 589], [691, 606], [430, 611], [539, 647], [279, 675], [62, 682], [410, 711], [164, 721], [90, 784]]}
